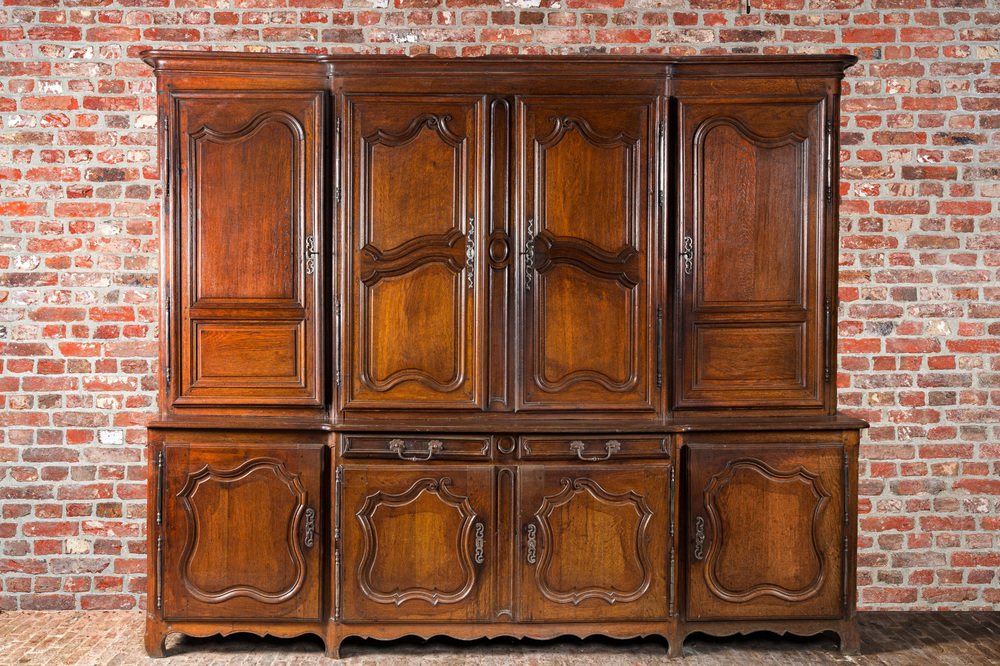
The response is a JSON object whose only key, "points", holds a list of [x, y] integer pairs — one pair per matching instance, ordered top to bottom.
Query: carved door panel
{"points": [[415, 170], [248, 209], [587, 252], [751, 262], [240, 526], [765, 530], [417, 543], [593, 543]]}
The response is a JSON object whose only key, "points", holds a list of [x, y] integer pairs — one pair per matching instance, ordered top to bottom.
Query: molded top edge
{"points": [[165, 60]]}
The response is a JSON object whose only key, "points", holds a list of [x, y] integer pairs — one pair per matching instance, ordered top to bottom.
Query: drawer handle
{"points": [[433, 446], [612, 447], [310, 529], [699, 538], [480, 543]]}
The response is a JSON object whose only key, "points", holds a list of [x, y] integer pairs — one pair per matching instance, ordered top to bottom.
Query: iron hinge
{"points": [[831, 161], [336, 325], [826, 341], [169, 342], [659, 346], [338, 483], [159, 572], [670, 607]]}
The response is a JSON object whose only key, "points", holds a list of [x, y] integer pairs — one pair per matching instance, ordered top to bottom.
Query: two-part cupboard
{"points": [[499, 347]]}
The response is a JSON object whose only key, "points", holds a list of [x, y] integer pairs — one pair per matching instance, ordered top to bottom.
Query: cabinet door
{"points": [[415, 170], [584, 173], [248, 208], [751, 269], [765, 530], [240, 531], [417, 543], [593, 543]]}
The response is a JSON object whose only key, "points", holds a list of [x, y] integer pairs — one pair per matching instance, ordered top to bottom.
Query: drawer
{"points": [[416, 447], [594, 448]]}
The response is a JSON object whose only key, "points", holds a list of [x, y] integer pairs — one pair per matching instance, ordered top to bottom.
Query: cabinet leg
{"points": [[155, 641], [850, 642], [675, 646], [332, 649]]}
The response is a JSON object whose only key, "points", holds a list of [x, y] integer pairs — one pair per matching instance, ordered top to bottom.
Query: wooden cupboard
{"points": [[499, 347]]}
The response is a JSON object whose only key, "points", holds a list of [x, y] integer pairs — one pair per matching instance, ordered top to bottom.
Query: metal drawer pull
{"points": [[433, 446], [613, 446]]}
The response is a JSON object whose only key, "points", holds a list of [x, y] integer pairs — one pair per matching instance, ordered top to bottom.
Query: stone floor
{"points": [[115, 638]]}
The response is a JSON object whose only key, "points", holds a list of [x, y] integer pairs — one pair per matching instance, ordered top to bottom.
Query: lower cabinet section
{"points": [[386, 535]]}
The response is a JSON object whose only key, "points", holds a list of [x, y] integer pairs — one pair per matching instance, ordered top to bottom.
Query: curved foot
{"points": [[155, 642], [850, 642], [675, 647], [333, 650]]}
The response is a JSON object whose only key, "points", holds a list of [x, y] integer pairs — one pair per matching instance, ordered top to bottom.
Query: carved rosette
{"points": [[632, 510]]}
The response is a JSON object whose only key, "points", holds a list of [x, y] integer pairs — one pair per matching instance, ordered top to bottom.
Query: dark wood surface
{"points": [[500, 346]]}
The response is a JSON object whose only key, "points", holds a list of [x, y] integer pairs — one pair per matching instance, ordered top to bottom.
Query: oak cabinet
{"points": [[499, 347]]}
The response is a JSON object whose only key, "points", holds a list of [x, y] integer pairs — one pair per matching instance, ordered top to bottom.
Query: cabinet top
{"points": [[309, 65]]}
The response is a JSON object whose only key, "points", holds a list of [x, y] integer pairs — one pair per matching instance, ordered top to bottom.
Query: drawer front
{"points": [[416, 448], [592, 448]]}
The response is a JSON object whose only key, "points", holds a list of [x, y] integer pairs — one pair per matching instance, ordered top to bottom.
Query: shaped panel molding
{"points": [[212, 499], [388, 526], [620, 527], [756, 530]]}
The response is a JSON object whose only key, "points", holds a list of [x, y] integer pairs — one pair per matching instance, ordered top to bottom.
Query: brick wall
{"points": [[920, 257]]}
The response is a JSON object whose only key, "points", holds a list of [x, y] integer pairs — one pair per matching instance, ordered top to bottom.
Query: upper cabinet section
{"points": [[241, 158], [351, 238]]}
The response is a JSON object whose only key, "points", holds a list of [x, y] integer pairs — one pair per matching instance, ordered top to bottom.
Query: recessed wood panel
{"points": [[587, 180], [408, 202], [248, 208], [752, 216], [587, 234], [415, 331], [586, 332], [260, 352], [770, 356], [241, 528], [765, 531], [416, 543], [588, 550]]}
